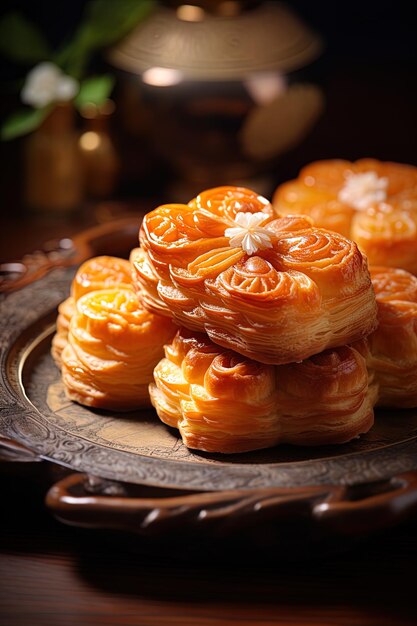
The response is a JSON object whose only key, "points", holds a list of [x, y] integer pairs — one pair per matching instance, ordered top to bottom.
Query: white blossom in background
{"points": [[47, 83], [363, 190], [248, 234]]}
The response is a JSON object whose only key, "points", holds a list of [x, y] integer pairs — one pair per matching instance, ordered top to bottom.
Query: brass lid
{"points": [[205, 46]]}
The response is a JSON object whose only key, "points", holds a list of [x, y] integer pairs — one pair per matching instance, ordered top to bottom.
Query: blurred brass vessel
{"points": [[218, 40], [214, 87]]}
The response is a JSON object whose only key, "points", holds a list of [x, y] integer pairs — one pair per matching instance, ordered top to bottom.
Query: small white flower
{"points": [[47, 83], [363, 190], [248, 234]]}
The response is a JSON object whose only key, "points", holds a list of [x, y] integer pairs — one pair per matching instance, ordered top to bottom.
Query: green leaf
{"points": [[107, 22], [103, 24], [21, 41], [94, 90], [23, 122]]}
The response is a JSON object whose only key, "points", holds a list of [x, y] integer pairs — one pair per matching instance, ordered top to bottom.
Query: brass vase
{"points": [[53, 176]]}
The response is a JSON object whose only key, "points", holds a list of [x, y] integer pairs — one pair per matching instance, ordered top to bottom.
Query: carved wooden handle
{"points": [[112, 238], [11, 450], [81, 500], [370, 506]]}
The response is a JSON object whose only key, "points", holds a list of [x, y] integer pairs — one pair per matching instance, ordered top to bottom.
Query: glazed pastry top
{"points": [[370, 201], [226, 264], [101, 272], [113, 346]]}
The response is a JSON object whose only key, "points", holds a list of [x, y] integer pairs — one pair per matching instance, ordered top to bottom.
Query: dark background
{"points": [[378, 34], [367, 70]]}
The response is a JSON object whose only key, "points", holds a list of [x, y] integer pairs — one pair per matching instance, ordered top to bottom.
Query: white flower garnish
{"points": [[47, 83], [363, 190], [248, 234]]}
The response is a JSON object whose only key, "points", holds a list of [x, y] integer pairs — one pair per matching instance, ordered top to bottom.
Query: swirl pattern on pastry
{"points": [[372, 202], [101, 272], [276, 289], [113, 346], [391, 350], [223, 402]]}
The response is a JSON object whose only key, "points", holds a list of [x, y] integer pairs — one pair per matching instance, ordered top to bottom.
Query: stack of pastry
{"points": [[372, 202], [269, 304], [279, 338], [106, 343]]}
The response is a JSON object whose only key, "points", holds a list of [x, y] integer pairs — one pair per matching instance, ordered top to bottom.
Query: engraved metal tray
{"points": [[350, 489]]}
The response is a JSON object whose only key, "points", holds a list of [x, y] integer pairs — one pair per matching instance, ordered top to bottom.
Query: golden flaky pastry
{"points": [[372, 202], [101, 272], [274, 289], [60, 339], [113, 346], [391, 351], [223, 402]]}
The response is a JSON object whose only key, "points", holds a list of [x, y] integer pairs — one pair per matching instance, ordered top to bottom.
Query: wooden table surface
{"points": [[53, 575]]}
